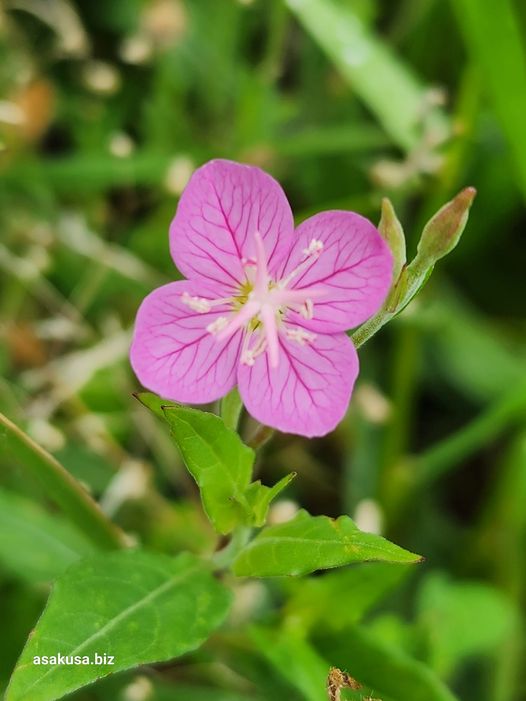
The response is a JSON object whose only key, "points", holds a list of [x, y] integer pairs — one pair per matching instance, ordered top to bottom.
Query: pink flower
{"points": [[264, 306]]}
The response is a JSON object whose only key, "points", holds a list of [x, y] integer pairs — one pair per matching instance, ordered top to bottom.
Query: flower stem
{"points": [[231, 408], [261, 435], [62, 488], [223, 558]]}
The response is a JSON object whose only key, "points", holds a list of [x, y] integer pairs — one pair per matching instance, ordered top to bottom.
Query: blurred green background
{"points": [[106, 107]]}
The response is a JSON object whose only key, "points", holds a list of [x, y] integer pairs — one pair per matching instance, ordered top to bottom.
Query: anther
{"points": [[315, 248], [197, 304], [217, 325], [300, 336], [247, 358]]}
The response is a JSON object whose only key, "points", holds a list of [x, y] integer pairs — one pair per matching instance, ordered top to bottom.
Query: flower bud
{"points": [[392, 231], [442, 232]]}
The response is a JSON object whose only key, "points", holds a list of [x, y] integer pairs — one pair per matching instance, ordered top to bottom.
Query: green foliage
{"points": [[503, 70], [395, 95], [350, 104], [440, 236], [221, 465], [61, 487], [309, 543], [35, 545], [315, 603], [137, 607], [462, 620], [294, 659], [392, 673]]}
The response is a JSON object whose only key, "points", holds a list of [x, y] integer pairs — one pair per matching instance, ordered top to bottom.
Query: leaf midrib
{"points": [[161, 589]]}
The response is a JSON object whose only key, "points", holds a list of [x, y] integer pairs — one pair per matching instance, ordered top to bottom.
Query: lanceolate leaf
{"points": [[309, 543], [133, 606]]}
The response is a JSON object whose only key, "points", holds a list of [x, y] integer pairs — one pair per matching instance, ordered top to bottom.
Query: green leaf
{"points": [[381, 80], [154, 403], [215, 456], [218, 460], [220, 463], [61, 487], [260, 497], [309, 543], [34, 545], [338, 599], [136, 606], [461, 620], [377, 665]]}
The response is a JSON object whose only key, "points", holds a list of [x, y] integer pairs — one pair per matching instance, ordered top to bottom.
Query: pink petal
{"points": [[220, 210], [355, 267], [174, 355], [308, 393]]}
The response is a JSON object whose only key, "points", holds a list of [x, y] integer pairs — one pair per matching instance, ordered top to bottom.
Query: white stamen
{"points": [[315, 247], [312, 253], [197, 304], [202, 305], [259, 307], [217, 325], [300, 335], [249, 355]]}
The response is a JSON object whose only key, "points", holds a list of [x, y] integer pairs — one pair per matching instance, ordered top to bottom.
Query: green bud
{"points": [[392, 231], [443, 231]]}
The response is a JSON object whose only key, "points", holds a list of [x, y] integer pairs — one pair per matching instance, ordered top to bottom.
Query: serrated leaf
{"points": [[260, 497], [309, 543], [35, 545], [135, 606]]}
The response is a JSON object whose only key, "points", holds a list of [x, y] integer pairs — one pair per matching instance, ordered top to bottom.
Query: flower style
{"points": [[264, 306]]}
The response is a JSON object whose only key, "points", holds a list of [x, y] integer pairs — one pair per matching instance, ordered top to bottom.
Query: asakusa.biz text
{"points": [[57, 659]]}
